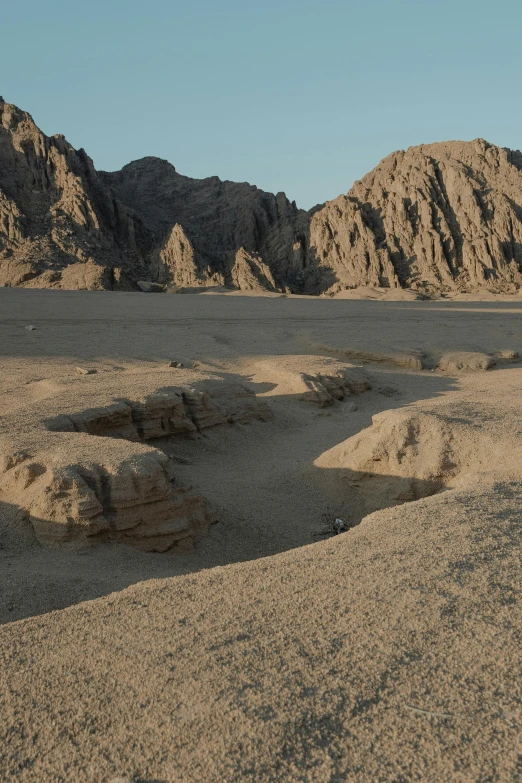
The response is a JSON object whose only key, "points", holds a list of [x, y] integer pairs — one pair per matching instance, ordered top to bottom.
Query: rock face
{"points": [[439, 217], [436, 218], [59, 226], [212, 232]]}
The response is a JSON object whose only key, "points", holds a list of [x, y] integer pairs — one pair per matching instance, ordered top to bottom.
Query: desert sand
{"points": [[269, 649]]}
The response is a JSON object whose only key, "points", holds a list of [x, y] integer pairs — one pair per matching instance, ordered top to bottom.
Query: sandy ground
{"points": [[389, 653]]}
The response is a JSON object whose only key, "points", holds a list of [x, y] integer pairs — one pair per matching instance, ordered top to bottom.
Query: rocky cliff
{"points": [[439, 217], [436, 218], [59, 225], [213, 232]]}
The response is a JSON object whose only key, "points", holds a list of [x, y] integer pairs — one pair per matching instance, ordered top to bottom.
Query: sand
{"points": [[272, 652]]}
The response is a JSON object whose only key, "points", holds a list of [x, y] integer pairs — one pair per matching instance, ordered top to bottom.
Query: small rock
{"points": [[150, 288], [30, 328], [509, 356], [465, 361], [175, 364], [196, 364], [85, 371], [389, 391], [351, 407], [339, 526], [120, 780]]}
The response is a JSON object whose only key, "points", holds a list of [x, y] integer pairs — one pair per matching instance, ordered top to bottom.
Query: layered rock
{"points": [[76, 487], [132, 498]]}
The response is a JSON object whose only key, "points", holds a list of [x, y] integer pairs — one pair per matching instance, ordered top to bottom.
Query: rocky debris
{"points": [[438, 217], [412, 360], [465, 361], [179, 365], [86, 371], [326, 381], [215, 403]]}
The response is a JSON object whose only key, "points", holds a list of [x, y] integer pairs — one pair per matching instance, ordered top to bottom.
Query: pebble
{"points": [[30, 328], [175, 364], [85, 371]]}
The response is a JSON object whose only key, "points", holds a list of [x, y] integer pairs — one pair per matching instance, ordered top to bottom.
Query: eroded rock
{"points": [[465, 361], [90, 477]]}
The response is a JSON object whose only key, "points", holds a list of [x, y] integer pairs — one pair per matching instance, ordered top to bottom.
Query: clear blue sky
{"points": [[289, 95]]}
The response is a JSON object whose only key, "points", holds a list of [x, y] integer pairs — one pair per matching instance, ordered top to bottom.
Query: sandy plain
{"points": [[271, 652]]}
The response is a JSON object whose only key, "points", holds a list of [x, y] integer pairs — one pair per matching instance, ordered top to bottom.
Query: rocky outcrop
{"points": [[439, 217], [436, 218], [59, 225], [76, 488], [128, 498]]}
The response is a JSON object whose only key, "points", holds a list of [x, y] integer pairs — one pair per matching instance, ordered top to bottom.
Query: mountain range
{"points": [[436, 218]]}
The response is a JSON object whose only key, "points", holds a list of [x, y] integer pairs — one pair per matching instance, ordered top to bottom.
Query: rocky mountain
{"points": [[439, 217], [435, 218], [63, 224]]}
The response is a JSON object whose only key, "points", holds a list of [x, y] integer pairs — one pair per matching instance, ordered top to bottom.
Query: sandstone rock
{"points": [[508, 355], [465, 361], [86, 371], [405, 455], [77, 490]]}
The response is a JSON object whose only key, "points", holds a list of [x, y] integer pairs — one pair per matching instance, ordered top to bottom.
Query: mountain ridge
{"points": [[437, 218]]}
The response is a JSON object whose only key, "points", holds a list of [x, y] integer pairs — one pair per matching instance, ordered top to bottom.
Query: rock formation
{"points": [[437, 218], [59, 226], [211, 232], [77, 488]]}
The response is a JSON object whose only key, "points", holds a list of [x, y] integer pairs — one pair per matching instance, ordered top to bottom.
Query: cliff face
{"points": [[439, 217], [57, 220], [213, 232]]}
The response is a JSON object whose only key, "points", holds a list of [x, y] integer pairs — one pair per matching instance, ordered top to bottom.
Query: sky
{"points": [[290, 95]]}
